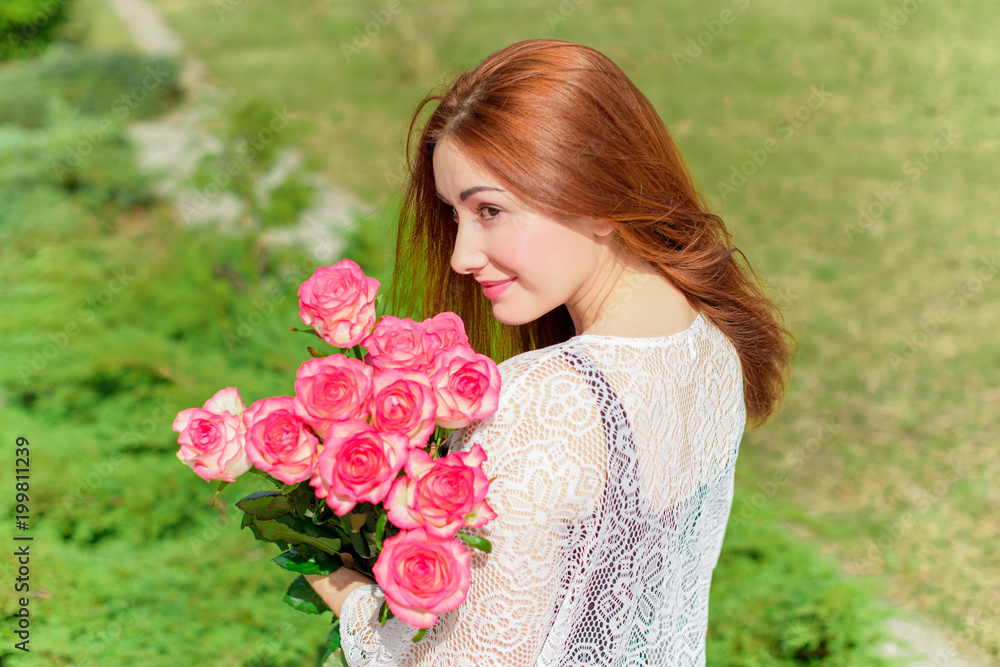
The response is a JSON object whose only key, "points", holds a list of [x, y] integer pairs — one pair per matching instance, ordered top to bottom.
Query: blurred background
{"points": [[172, 170]]}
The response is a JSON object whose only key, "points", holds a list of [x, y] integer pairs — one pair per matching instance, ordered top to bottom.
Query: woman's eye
{"points": [[492, 211]]}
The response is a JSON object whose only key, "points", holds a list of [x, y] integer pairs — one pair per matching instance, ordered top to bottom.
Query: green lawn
{"points": [[887, 108], [850, 146]]}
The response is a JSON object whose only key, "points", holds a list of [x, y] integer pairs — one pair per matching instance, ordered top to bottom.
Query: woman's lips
{"points": [[492, 291]]}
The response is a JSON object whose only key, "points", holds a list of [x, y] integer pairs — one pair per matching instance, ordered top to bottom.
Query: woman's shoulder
{"points": [[523, 367], [535, 378], [535, 387]]}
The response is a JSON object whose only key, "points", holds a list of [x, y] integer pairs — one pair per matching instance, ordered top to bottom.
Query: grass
{"points": [[893, 312], [882, 453], [132, 561]]}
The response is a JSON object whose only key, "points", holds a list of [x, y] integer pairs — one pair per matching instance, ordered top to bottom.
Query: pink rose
{"points": [[339, 302], [447, 329], [399, 343], [467, 385], [332, 388], [404, 401], [212, 437], [278, 440], [357, 464], [441, 495], [423, 576]]}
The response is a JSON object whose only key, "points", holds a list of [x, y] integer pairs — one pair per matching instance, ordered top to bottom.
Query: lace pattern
{"points": [[614, 460]]}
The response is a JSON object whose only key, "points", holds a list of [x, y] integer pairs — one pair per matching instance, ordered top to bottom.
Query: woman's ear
{"points": [[602, 227]]}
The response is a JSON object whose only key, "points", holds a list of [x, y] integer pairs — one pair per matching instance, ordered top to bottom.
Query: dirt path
{"points": [[171, 148], [922, 645]]}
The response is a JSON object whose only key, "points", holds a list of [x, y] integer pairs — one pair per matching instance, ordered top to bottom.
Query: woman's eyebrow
{"points": [[468, 192]]}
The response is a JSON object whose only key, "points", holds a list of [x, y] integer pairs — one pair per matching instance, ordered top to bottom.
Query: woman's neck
{"points": [[640, 303]]}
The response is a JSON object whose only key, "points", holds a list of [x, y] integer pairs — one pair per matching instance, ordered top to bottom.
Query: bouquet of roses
{"points": [[358, 454]]}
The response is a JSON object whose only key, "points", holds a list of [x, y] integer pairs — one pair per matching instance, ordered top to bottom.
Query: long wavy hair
{"points": [[564, 128]]}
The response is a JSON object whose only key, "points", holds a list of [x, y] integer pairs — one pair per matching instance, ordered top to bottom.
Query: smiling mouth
{"points": [[494, 290]]}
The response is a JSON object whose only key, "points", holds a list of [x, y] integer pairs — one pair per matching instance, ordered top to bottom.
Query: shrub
{"points": [[27, 26], [114, 86], [253, 137], [71, 158], [775, 601]]}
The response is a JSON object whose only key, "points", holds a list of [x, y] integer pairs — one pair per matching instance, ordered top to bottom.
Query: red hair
{"points": [[565, 129]]}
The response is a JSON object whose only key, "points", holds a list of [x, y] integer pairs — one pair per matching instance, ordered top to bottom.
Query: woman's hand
{"points": [[336, 586]]}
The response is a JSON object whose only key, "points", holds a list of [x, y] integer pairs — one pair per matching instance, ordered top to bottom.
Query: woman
{"points": [[545, 188]]}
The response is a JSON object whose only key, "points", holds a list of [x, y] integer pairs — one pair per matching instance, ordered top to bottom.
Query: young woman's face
{"points": [[541, 263]]}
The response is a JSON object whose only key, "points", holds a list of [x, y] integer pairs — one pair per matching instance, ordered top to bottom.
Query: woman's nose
{"points": [[469, 255]]}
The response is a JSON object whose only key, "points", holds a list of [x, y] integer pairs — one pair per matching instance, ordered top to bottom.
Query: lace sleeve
{"points": [[545, 451], [613, 462]]}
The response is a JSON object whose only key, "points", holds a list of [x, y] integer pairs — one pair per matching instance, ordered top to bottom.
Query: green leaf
{"points": [[310, 330], [313, 352], [260, 473], [222, 484], [265, 505], [303, 507], [320, 515], [357, 521], [307, 527], [272, 531], [380, 531], [477, 542], [360, 545], [296, 561], [301, 596], [384, 613], [420, 635], [334, 636], [332, 641]]}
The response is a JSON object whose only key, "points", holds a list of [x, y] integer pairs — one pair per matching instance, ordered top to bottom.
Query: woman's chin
{"points": [[505, 316]]}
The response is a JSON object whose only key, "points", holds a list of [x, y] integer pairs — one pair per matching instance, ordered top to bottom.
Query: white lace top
{"points": [[614, 461]]}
